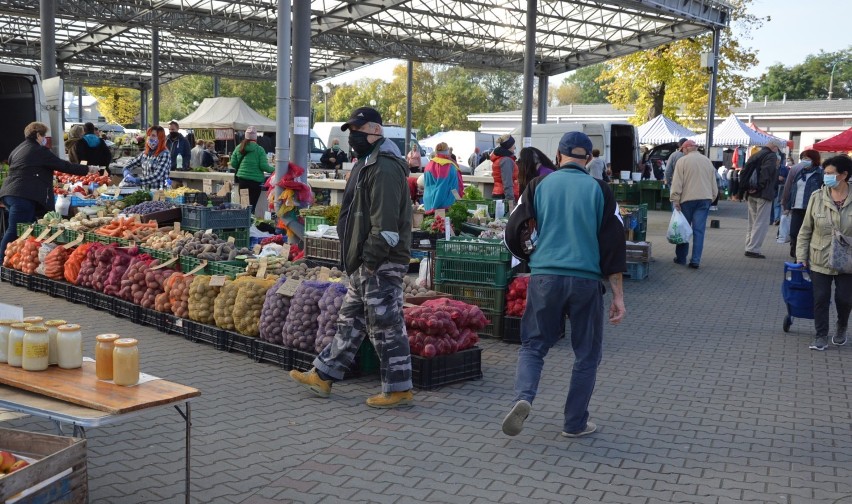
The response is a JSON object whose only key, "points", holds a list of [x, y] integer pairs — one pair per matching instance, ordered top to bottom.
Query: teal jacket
{"points": [[253, 164]]}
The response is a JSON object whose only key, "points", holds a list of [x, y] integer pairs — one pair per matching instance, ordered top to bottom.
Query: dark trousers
{"points": [[254, 190], [21, 211], [797, 217], [822, 300]]}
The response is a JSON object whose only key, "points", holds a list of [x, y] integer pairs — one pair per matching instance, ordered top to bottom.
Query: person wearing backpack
{"points": [[758, 186]]}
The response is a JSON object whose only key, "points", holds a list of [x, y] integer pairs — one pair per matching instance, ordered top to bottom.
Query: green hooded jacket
{"points": [[253, 164]]}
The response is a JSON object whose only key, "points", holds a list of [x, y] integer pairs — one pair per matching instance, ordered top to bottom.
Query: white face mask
{"points": [[44, 141]]}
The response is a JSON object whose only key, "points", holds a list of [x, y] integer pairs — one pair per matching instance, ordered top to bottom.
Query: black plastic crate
{"points": [[419, 240], [319, 263], [6, 274], [20, 279], [39, 283], [61, 289], [80, 295], [101, 302], [126, 309], [152, 318], [174, 325], [512, 330], [201, 333], [236, 342], [264, 351], [428, 374]]}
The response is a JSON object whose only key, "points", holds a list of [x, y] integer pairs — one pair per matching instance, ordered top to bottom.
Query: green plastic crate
{"points": [[472, 204], [312, 222], [241, 235], [92, 237], [478, 249], [160, 255], [188, 264], [227, 268], [492, 273], [491, 299], [495, 326]]}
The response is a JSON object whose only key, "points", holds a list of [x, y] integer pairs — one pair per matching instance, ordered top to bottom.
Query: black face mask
{"points": [[173, 134], [359, 143]]}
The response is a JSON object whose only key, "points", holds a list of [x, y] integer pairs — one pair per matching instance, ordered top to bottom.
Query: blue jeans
{"points": [[21, 210], [696, 212], [549, 299]]}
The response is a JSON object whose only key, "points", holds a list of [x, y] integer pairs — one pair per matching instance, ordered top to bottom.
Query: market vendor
{"points": [[334, 157], [155, 161], [251, 163], [442, 182], [27, 191]]}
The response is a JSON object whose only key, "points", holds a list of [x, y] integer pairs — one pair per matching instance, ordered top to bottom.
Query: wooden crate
{"points": [[638, 252], [54, 456]]}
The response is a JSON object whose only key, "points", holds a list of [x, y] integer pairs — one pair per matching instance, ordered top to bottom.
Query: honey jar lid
{"points": [[30, 320], [8, 322], [55, 323], [20, 325], [68, 327], [36, 329], [107, 338], [126, 342]]}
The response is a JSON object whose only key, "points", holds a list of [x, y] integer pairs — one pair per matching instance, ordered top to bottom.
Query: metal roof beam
{"points": [[352, 12], [710, 13]]}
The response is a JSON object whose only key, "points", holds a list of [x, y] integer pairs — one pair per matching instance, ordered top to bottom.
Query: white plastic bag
{"points": [[62, 205], [784, 229], [679, 231], [423, 274]]}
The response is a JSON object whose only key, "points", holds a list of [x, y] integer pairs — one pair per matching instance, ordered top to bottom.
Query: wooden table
{"points": [[77, 397]]}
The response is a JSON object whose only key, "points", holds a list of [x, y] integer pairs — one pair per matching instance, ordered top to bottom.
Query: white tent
{"points": [[221, 113], [662, 130], [733, 132]]}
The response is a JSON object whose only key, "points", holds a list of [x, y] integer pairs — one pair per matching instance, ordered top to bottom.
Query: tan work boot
{"points": [[312, 381], [391, 399]]}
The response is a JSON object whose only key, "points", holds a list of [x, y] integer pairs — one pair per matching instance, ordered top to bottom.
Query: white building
{"points": [[72, 109], [805, 122]]}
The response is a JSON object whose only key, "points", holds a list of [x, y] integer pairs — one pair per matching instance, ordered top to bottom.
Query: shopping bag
{"points": [[784, 229], [679, 231]]}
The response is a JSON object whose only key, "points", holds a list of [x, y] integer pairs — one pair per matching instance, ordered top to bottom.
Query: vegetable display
{"points": [[137, 197], [148, 207], [128, 229], [164, 238], [208, 246], [12, 251], [43, 251], [28, 256], [103, 258], [75, 262], [120, 262], [54, 263], [88, 266], [274, 266], [154, 279], [133, 284], [410, 288], [177, 289], [516, 298], [202, 299], [249, 305], [329, 306], [223, 307], [274, 313], [443, 326], [300, 328]]}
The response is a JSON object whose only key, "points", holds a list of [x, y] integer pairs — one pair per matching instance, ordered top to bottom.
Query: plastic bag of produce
{"points": [[679, 231], [13, 250], [43, 251], [28, 256], [104, 259], [120, 262], [54, 263], [74, 263], [87, 268], [154, 280], [133, 284], [177, 289], [202, 299], [249, 305], [329, 306], [223, 308], [274, 313], [300, 328]]}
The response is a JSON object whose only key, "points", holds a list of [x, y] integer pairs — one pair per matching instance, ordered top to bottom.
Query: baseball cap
{"points": [[361, 116], [575, 140]]}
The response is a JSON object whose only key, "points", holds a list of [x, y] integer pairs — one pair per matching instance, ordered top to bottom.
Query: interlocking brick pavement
{"points": [[700, 398]]}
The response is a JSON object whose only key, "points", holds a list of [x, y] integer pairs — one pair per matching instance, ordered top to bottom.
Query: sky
{"points": [[781, 40]]}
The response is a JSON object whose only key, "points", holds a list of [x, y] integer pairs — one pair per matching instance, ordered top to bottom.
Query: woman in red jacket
{"points": [[505, 170]]}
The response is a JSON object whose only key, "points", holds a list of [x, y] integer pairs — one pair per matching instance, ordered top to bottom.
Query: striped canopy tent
{"points": [[756, 128], [662, 130], [733, 132]]}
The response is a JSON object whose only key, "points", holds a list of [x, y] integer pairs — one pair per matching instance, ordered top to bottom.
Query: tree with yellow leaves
{"points": [[117, 105]]}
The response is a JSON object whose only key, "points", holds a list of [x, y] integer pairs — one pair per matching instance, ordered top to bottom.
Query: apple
{"points": [[430, 351], [6, 461], [18, 465]]}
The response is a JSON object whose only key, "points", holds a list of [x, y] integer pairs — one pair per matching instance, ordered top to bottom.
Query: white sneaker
{"points": [[714, 208]]}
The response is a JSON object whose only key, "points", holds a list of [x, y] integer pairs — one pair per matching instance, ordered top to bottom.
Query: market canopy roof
{"points": [[109, 41], [223, 112], [755, 127], [661, 130], [732, 132], [842, 142]]}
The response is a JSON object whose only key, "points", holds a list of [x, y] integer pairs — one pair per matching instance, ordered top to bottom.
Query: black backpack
{"points": [[750, 174]]}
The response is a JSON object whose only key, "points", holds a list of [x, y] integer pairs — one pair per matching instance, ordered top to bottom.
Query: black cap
{"points": [[361, 116]]}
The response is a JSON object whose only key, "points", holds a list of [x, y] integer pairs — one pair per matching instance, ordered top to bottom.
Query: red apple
{"points": [[7, 459], [18, 465]]}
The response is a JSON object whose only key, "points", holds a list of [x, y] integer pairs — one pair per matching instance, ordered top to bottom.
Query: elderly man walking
{"points": [[758, 182], [693, 189]]}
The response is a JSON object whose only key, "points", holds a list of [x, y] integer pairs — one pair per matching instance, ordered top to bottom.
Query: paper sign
{"points": [[300, 125], [527, 141], [84, 163], [208, 185], [224, 190], [159, 196], [244, 197], [440, 212], [101, 213], [177, 227], [448, 229], [209, 231], [27, 233], [44, 234], [54, 236], [231, 239], [74, 242], [425, 243], [257, 248], [285, 251], [167, 263], [197, 268], [261, 270], [324, 274], [218, 280], [289, 287], [11, 312]]}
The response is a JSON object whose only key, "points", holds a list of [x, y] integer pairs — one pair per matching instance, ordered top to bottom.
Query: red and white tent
{"points": [[841, 142]]}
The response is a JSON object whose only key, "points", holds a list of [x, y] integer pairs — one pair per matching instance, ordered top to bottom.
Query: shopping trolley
{"points": [[798, 292]]}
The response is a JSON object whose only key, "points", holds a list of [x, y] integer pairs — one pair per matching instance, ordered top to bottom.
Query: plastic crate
{"points": [[202, 199], [179, 200], [77, 201], [210, 218], [312, 222], [241, 236], [92, 237], [419, 240], [322, 248], [477, 249], [638, 252], [160, 255], [319, 263], [188, 264], [227, 268], [638, 270], [493, 273], [6, 275], [20, 279], [39, 283], [61, 289], [80, 295], [490, 299], [101, 302], [126, 309], [152, 318], [174, 325], [494, 329], [511, 330], [202, 333], [236, 342], [264, 351], [304, 361], [428, 374]]}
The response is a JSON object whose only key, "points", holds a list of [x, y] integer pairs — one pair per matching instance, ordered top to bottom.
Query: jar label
{"points": [[18, 349], [36, 351]]}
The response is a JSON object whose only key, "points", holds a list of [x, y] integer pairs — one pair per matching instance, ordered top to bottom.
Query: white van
{"points": [[24, 98], [328, 131], [617, 141], [317, 147]]}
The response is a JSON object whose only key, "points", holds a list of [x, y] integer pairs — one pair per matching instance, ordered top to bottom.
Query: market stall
{"points": [[662, 130]]}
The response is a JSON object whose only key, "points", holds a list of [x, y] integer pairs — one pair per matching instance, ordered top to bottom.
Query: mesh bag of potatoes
{"points": [[177, 287], [202, 299], [249, 305], [223, 307], [274, 313], [300, 328]]}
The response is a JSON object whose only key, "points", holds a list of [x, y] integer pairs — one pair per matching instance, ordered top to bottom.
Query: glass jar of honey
{"points": [[33, 320], [5, 327], [69, 343], [35, 349], [15, 350], [103, 355], [52, 358], [125, 362]]}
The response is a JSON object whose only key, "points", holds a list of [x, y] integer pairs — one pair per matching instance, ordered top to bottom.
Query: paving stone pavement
{"points": [[700, 398]]}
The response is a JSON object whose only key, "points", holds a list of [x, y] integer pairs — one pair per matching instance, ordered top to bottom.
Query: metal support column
{"points": [[47, 12], [529, 74], [155, 77], [301, 84], [215, 86], [409, 86], [282, 98], [542, 99], [79, 103], [711, 106], [143, 111]]}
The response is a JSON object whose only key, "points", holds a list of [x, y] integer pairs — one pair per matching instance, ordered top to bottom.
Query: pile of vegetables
{"points": [[86, 180], [179, 191], [471, 192], [136, 198], [148, 207], [330, 213], [50, 219], [84, 223], [433, 225], [128, 229], [494, 229], [164, 238], [279, 239], [208, 246], [43, 251], [12, 253], [28, 256], [103, 257], [75, 262], [54, 263], [120, 263], [274, 266], [87, 269], [301, 271], [154, 281], [133, 285], [410, 288], [177, 289], [516, 298], [202, 299], [249, 305], [329, 306], [223, 307], [274, 313], [443, 326], [300, 328]]}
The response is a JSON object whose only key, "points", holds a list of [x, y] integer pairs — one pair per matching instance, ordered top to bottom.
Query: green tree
{"points": [[668, 79], [808, 80], [584, 85], [504, 90], [457, 94], [117, 105]]}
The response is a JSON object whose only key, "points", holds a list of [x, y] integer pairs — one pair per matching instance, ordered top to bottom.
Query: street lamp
{"points": [[831, 79], [325, 91], [398, 114]]}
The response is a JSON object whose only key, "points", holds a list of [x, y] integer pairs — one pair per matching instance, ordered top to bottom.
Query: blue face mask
{"points": [[153, 142], [806, 163], [829, 180]]}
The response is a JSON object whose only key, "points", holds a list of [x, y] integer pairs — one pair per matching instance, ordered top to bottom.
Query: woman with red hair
{"points": [[155, 161]]}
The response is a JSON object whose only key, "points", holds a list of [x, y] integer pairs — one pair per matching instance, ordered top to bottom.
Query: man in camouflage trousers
{"points": [[375, 231]]}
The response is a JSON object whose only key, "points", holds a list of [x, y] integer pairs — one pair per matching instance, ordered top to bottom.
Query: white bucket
{"points": [[625, 175], [637, 176]]}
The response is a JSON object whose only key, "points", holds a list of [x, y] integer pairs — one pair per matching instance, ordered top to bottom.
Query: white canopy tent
{"points": [[223, 113], [662, 130], [733, 132]]}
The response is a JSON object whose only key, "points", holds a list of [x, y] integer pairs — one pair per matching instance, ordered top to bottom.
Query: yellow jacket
{"points": [[813, 244]]}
